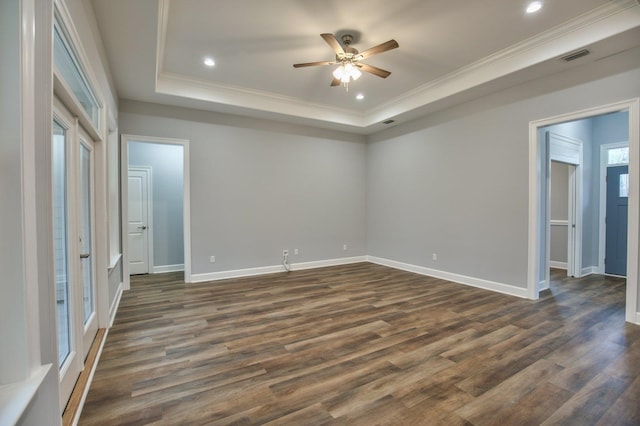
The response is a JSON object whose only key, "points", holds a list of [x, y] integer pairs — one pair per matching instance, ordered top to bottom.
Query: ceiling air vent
{"points": [[575, 55], [388, 121]]}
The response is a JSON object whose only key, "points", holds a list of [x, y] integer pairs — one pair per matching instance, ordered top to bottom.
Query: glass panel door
{"points": [[60, 231], [86, 240], [68, 308]]}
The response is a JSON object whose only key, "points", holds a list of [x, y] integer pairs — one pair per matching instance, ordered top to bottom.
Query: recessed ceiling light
{"points": [[534, 6], [209, 62], [359, 96]]}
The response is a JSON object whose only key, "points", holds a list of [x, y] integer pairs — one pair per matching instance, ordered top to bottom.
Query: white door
{"points": [[72, 166], [138, 221], [86, 240], [65, 253]]}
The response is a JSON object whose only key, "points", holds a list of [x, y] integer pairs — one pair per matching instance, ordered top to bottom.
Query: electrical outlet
{"points": [[344, 247], [285, 252], [295, 252], [434, 256], [212, 259]]}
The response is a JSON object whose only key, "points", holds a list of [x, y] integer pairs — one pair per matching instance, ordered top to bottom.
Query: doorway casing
{"points": [[186, 200], [538, 220]]}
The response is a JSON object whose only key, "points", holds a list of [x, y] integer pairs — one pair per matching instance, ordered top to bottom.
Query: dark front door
{"points": [[615, 261]]}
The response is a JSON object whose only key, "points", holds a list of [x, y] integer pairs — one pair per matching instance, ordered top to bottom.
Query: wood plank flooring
{"points": [[366, 345]]}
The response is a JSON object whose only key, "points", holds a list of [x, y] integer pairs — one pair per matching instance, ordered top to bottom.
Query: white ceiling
{"points": [[448, 49]]}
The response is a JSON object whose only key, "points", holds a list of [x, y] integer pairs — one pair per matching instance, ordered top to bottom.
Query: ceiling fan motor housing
{"points": [[349, 52]]}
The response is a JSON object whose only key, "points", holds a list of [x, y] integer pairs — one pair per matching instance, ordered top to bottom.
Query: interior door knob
{"points": [[143, 227]]}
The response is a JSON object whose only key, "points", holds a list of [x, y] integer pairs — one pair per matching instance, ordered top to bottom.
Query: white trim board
{"points": [[558, 265], [167, 268], [250, 272], [456, 278], [115, 305]]}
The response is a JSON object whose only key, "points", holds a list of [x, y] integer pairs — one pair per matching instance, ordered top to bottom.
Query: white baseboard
{"points": [[330, 262], [558, 265], [166, 268], [589, 270], [250, 272], [461, 279], [542, 285], [114, 305], [638, 318]]}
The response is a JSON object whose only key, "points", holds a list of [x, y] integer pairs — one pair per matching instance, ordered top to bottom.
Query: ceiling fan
{"points": [[349, 59]]}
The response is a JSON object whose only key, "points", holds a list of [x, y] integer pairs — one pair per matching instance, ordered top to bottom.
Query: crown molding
{"points": [[600, 23], [180, 85]]}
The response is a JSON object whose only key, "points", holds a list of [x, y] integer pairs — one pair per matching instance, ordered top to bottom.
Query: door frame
{"points": [[85, 139], [149, 172], [186, 199], [603, 199], [536, 258], [71, 368]]}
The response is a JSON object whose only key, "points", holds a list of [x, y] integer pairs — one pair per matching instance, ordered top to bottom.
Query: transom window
{"points": [[68, 65], [617, 156]]}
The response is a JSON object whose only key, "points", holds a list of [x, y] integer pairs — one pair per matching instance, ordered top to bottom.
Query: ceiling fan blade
{"points": [[333, 42], [391, 44], [313, 64], [374, 70], [336, 82]]}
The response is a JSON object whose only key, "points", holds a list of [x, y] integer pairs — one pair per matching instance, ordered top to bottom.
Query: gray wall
{"points": [[611, 128], [166, 162], [456, 183], [260, 187], [559, 211]]}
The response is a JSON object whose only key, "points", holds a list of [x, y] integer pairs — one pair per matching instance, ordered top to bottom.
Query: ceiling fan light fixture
{"points": [[347, 72], [355, 72]]}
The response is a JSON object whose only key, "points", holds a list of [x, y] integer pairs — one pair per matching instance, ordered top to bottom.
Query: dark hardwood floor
{"points": [[365, 345]]}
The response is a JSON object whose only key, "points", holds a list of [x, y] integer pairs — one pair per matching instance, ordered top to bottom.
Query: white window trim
{"points": [[61, 88]]}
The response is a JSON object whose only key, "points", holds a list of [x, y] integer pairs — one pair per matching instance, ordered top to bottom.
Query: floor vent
{"points": [[575, 55]]}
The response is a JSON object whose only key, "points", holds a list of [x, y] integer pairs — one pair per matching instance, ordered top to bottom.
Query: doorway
{"points": [[567, 150], [562, 197], [538, 215], [157, 236]]}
